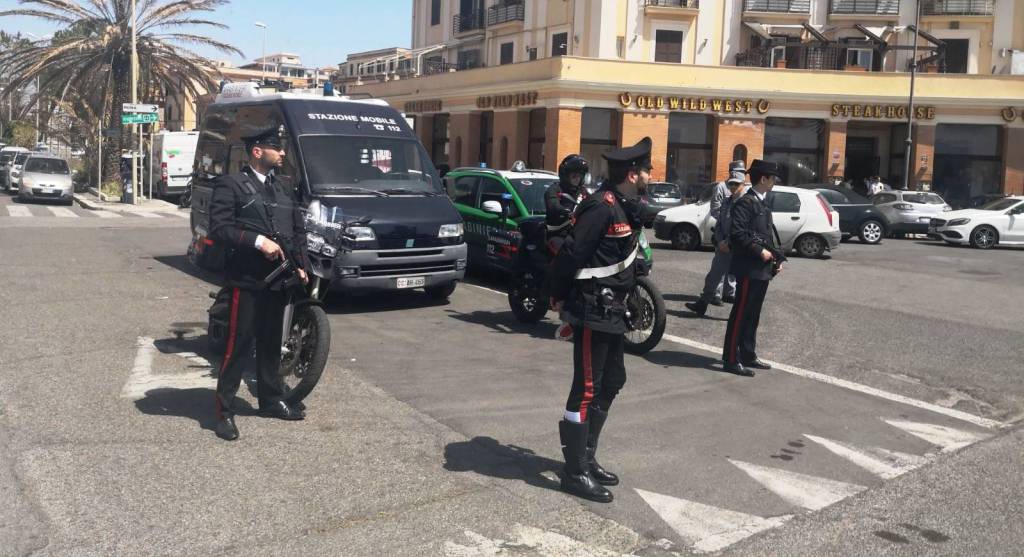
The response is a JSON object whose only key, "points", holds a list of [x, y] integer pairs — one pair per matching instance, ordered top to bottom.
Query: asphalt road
{"points": [[434, 430]]}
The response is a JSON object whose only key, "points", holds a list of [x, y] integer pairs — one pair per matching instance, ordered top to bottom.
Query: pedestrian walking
{"points": [[255, 214], [756, 259], [590, 279], [720, 284]]}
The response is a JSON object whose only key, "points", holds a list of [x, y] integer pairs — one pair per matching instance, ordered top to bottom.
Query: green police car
{"points": [[493, 203]]}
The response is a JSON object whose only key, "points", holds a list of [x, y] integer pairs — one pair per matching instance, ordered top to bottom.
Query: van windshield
{"points": [[337, 164]]}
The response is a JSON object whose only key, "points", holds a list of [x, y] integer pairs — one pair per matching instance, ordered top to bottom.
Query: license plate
{"points": [[48, 190], [412, 282]]}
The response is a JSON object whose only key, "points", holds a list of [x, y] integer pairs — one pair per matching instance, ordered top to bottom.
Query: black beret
{"points": [[638, 156]]}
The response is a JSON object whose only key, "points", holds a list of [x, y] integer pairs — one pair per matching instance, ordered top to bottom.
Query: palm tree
{"points": [[91, 55]]}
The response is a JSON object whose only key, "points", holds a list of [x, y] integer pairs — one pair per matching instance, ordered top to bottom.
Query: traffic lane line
{"points": [[835, 381]]}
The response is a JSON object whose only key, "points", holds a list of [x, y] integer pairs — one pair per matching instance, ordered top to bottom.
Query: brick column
{"points": [[636, 126], [514, 127], [424, 131], [733, 132], [561, 135], [465, 139], [924, 146], [835, 150], [1013, 161]]}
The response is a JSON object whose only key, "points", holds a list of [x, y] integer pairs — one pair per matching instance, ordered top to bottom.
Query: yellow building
{"points": [[820, 86]]}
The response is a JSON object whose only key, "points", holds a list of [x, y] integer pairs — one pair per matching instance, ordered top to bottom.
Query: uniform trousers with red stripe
{"points": [[741, 334], [254, 339], [599, 370]]}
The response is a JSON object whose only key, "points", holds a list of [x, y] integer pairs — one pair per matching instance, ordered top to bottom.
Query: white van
{"points": [[173, 154]]}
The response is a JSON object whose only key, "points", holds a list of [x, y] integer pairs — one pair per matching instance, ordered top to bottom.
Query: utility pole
{"points": [[263, 59], [135, 100], [910, 109]]}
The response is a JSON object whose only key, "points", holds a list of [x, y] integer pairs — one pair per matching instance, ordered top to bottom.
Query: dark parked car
{"points": [[660, 196], [857, 215]]}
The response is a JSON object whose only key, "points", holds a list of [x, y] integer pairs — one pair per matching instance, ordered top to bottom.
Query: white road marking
{"points": [[18, 211], [63, 212], [106, 214], [145, 214], [178, 214], [499, 292], [142, 379], [850, 385], [947, 438], [884, 463], [809, 492], [704, 527], [526, 540]]}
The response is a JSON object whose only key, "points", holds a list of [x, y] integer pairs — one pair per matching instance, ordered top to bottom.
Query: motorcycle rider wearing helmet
{"points": [[562, 198], [590, 279]]}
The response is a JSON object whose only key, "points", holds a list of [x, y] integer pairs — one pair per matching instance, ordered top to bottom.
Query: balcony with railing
{"points": [[691, 4], [778, 6], [864, 7], [956, 7], [505, 12], [469, 21], [807, 56]]}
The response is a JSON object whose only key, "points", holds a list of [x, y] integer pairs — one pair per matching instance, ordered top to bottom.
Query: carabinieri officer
{"points": [[260, 218], [591, 277]]}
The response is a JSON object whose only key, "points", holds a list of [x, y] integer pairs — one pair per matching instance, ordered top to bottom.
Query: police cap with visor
{"points": [[269, 137], [637, 157]]}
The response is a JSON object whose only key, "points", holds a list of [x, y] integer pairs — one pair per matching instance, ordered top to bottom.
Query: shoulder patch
{"points": [[609, 198]]}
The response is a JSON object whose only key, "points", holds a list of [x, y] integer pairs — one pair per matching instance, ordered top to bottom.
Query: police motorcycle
{"points": [[528, 290]]}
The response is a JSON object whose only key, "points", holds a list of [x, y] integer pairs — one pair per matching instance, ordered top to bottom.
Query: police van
{"points": [[377, 217]]}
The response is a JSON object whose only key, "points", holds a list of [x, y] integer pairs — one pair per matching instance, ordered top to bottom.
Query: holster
{"points": [[586, 306]]}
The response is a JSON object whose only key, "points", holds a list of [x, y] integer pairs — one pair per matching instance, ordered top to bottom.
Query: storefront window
{"points": [[538, 126], [599, 133], [486, 136], [690, 139], [439, 143], [796, 145], [968, 163]]}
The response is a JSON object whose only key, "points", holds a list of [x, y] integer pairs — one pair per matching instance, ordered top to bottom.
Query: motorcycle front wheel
{"points": [[646, 318], [304, 354]]}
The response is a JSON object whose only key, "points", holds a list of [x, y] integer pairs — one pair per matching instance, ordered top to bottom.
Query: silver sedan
{"points": [[46, 177]]}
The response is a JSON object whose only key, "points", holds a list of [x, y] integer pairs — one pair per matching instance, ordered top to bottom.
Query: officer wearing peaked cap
{"points": [[260, 218], [590, 279]]}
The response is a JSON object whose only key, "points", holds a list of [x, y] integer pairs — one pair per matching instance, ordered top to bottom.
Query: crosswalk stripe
{"points": [[18, 211], [63, 212], [106, 214], [947, 438], [884, 463], [809, 492], [704, 527]]}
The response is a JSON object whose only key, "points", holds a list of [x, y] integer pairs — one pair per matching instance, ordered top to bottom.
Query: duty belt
{"points": [[607, 270]]}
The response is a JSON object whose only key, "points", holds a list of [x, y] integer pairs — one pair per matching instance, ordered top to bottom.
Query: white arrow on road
{"points": [[142, 379], [949, 439], [884, 463], [809, 492], [704, 527]]}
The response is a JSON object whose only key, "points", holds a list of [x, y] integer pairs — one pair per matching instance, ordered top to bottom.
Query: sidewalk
{"points": [[89, 200]]}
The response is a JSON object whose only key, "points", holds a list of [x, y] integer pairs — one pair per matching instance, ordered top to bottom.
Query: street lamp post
{"points": [[263, 58], [38, 92], [135, 100], [910, 109]]}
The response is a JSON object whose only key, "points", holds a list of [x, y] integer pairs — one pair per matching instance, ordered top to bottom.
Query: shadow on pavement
{"points": [[181, 263], [673, 297], [379, 302], [687, 314], [505, 322], [668, 358], [196, 404], [488, 457]]}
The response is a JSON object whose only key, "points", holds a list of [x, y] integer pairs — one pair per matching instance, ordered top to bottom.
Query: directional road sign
{"points": [[140, 108], [130, 118]]}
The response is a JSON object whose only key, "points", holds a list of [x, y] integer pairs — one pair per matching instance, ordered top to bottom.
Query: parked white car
{"points": [[805, 221], [999, 222]]}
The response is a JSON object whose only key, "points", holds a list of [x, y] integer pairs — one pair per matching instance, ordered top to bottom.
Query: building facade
{"points": [[820, 86]]}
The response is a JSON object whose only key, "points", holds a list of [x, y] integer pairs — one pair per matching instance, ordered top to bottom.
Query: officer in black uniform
{"points": [[562, 198], [260, 218], [757, 258], [590, 279]]}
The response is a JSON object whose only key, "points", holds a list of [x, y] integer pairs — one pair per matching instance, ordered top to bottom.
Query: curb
{"points": [[92, 203]]}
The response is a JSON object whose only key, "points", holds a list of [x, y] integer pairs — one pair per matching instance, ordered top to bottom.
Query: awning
{"points": [[758, 29], [815, 33], [876, 35], [927, 36]]}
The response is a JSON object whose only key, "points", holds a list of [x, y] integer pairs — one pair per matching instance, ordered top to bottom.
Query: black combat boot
{"points": [[700, 307], [596, 417], [576, 477]]}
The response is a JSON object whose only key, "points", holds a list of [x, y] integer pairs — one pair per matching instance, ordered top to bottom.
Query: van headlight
{"points": [[450, 231], [360, 233]]}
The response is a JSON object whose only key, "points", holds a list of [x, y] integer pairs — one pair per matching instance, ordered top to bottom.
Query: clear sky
{"points": [[322, 32]]}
